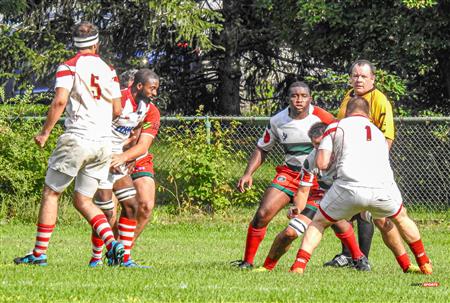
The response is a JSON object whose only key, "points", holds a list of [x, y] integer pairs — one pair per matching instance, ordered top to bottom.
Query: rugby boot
{"points": [[115, 254], [30, 259], [339, 261], [241, 264], [362, 264], [426, 268]]}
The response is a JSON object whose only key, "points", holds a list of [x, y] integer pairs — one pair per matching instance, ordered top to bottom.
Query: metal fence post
{"points": [[208, 130]]}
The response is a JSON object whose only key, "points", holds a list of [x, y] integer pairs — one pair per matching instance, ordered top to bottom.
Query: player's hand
{"points": [[41, 139], [130, 139], [117, 160], [130, 166], [244, 180], [292, 212]]}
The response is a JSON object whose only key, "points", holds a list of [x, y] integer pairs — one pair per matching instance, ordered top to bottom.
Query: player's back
{"points": [[92, 85], [362, 154]]}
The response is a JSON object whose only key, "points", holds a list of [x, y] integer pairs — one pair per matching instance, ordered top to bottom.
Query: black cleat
{"points": [[339, 261], [241, 264], [362, 264]]}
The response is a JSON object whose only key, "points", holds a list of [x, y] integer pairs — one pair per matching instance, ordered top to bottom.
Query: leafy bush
{"points": [[23, 163], [200, 179]]}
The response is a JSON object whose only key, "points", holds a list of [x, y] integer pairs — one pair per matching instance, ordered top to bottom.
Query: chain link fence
{"points": [[420, 156]]}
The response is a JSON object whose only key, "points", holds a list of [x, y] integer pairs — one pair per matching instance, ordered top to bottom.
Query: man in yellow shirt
{"points": [[362, 80]]}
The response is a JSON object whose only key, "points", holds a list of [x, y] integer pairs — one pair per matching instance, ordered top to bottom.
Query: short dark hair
{"points": [[84, 29], [360, 62], [144, 75], [127, 77], [299, 84], [357, 103], [317, 130]]}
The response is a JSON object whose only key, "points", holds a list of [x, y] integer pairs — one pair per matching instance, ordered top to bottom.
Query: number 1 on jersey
{"points": [[96, 90], [368, 133]]}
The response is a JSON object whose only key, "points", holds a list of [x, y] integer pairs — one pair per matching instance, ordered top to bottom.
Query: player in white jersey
{"points": [[89, 91], [137, 112], [290, 129], [364, 181]]}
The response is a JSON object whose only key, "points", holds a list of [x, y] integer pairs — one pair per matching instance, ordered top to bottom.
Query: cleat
{"points": [[115, 254], [30, 259], [339, 261], [95, 263], [132, 264], [241, 264], [362, 264], [261, 269], [412, 269], [426, 269], [297, 270]]}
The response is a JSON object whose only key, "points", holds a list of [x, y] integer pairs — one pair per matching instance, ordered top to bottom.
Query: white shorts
{"points": [[78, 157], [113, 177], [342, 201]]}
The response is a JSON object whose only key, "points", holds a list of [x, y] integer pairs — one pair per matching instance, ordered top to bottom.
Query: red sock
{"points": [[102, 228], [43, 234], [126, 234], [254, 238], [349, 240], [97, 247], [419, 252], [301, 260], [404, 261], [270, 263]]}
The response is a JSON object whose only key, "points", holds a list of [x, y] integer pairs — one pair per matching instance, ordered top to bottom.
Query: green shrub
{"points": [[23, 163], [200, 177]]}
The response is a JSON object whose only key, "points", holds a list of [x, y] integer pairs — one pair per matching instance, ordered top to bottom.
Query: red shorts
{"points": [[143, 168], [288, 181]]}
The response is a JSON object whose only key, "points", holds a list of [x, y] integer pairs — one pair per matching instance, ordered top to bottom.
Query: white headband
{"points": [[86, 41]]}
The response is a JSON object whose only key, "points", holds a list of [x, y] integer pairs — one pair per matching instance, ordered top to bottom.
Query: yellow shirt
{"points": [[380, 111]]}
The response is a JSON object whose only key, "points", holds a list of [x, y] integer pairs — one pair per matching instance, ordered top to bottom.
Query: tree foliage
{"points": [[220, 53]]}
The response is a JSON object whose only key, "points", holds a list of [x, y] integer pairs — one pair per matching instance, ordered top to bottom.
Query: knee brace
{"points": [[125, 194], [105, 205], [298, 225]]}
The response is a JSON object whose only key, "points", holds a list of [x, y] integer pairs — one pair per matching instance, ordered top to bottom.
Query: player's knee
{"points": [[127, 198], [145, 208], [261, 219], [297, 227], [290, 234]]}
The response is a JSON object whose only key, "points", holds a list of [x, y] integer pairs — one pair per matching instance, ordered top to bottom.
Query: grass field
{"points": [[190, 256]]}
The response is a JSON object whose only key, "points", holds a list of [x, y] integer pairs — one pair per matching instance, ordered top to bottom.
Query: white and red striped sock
{"points": [[101, 226], [44, 232], [126, 235], [97, 247]]}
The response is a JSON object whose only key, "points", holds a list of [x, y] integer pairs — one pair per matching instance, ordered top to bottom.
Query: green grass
{"points": [[190, 255]]}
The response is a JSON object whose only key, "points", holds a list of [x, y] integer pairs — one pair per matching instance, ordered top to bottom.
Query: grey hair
{"points": [[361, 62]]}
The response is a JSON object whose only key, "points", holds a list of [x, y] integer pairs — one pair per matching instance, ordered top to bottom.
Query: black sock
{"points": [[365, 235]]}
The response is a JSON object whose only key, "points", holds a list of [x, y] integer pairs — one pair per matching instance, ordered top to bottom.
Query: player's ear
{"points": [[139, 86]]}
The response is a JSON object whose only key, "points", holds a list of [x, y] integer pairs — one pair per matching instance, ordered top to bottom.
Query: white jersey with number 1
{"points": [[92, 85], [360, 151]]}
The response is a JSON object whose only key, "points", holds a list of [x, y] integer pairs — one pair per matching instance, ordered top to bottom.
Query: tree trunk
{"points": [[229, 66]]}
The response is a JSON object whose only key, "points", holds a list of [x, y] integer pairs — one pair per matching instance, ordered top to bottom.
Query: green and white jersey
{"points": [[292, 134]]}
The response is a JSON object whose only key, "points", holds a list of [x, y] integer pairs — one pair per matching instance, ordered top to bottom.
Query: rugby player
{"points": [[88, 89], [142, 116], [289, 128], [359, 147]]}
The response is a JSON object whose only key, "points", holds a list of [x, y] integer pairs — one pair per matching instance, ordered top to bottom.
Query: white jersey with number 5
{"points": [[92, 85], [360, 152]]}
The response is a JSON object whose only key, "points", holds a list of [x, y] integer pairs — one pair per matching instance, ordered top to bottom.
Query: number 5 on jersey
{"points": [[95, 87]]}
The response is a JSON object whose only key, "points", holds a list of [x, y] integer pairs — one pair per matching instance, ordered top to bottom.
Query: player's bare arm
{"points": [[117, 107], [55, 112], [141, 147], [323, 159], [255, 161], [300, 199]]}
